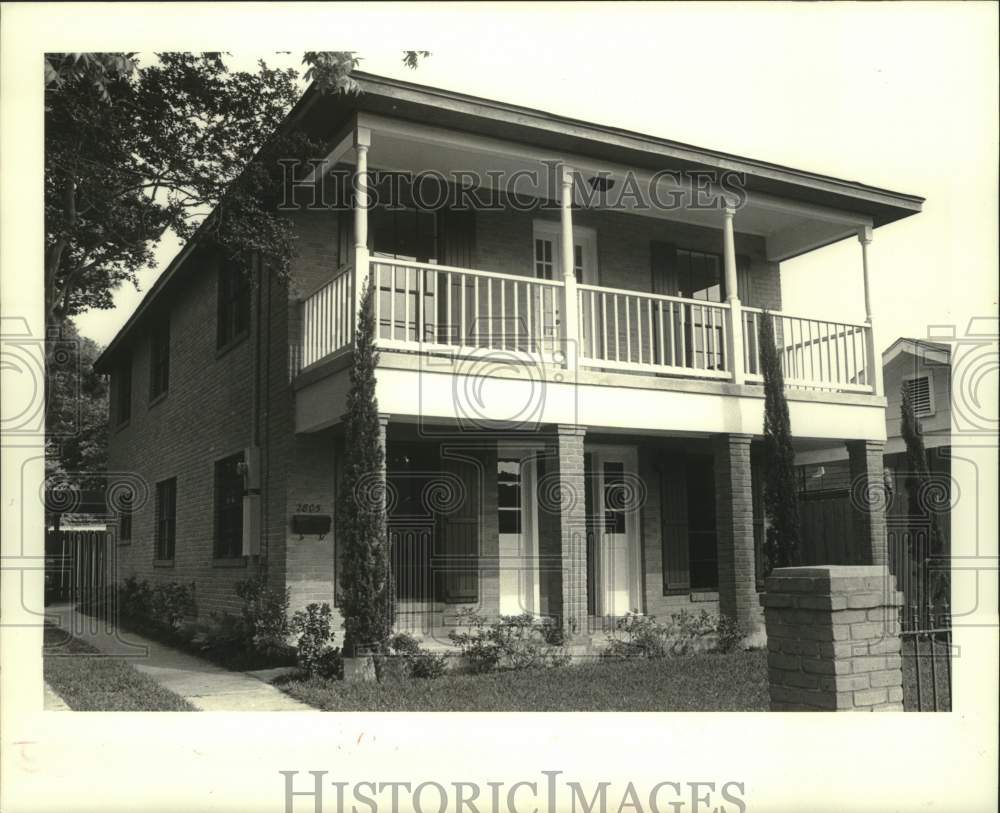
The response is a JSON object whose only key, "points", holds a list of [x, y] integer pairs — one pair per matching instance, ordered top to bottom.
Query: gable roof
{"points": [[936, 352]]}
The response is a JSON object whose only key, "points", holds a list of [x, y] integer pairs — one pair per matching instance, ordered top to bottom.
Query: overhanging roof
{"points": [[325, 115]]}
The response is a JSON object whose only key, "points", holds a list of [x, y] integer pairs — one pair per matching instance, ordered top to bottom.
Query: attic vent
{"points": [[919, 391]]}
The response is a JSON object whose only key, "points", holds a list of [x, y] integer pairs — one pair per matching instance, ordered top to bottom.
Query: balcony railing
{"points": [[427, 308], [636, 331], [815, 354]]}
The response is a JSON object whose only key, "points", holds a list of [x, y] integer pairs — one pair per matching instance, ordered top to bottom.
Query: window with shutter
{"points": [[228, 508], [166, 519], [674, 520]]}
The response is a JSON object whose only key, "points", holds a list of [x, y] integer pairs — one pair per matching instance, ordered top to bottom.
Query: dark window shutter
{"points": [[457, 236], [345, 237], [663, 268], [743, 289], [674, 518], [459, 536]]}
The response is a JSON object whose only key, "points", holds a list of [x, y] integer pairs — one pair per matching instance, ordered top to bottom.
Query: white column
{"points": [[362, 141], [570, 322], [734, 345], [874, 358]]}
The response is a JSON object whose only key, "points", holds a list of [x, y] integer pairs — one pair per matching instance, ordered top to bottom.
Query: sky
{"points": [[898, 97]]}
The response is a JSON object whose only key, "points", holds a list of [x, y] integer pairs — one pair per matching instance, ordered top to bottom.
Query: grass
{"points": [[933, 668], [89, 681], [710, 682]]}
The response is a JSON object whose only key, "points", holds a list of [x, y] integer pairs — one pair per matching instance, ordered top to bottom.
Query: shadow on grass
{"points": [[733, 682]]}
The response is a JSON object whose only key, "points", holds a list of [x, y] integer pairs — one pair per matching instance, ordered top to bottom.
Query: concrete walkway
{"points": [[206, 686]]}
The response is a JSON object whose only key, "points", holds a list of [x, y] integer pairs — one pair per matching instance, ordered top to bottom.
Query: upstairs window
{"points": [[404, 234], [699, 275], [233, 320], [159, 359], [121, 384], [919, 391], [229, 507], [125, 517], [166, 519]]}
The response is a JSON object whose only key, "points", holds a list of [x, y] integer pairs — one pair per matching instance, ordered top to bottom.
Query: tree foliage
{"points": [[134, 151], [76, 413], [918, 474], [781, 502], [365, 579]]}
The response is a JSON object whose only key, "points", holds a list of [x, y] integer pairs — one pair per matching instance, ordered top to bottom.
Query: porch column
{"points": [[362, 141], [570, 322], [734, 342], [873, 359], [868, 500], [572, 526], [734, 530]]}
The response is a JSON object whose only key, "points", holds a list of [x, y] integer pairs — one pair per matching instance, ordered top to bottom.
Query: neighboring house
{"points": [[922, 368], [573, 440]]}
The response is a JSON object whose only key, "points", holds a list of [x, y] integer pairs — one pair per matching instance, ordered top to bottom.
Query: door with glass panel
{"points": [[548, 265], [517, 517], [615, 557]]}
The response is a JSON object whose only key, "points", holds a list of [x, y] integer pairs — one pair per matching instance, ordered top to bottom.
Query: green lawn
{"points": [[88, 681], [732, 682], [933, 693]]}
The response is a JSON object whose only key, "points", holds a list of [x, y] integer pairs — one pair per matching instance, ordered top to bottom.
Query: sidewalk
{"points": [[206, 686]]}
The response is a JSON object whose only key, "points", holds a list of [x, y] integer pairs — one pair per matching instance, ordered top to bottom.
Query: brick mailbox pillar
{"points": [[833, 639]]}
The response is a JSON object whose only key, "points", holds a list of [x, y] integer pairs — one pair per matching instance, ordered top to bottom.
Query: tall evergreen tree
{"points": [[917, 478], [781, 502], [365, 573]]}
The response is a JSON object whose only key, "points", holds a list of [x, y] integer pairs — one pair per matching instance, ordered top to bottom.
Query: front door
{"points": [[548, 245], [517, 518], [615, 556]]}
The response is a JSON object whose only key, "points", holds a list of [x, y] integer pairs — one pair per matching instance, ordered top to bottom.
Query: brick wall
{"points": [[204, 416], [868, 499], [734, 529], [572, 532], [833, 639]]}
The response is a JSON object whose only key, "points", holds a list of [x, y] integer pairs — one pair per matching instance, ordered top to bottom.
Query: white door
{"points": [[548, 249], [517, 516], [616, 556]]}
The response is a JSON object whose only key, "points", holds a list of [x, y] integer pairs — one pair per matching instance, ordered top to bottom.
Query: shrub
{"points": [[134, 599], [169, 604], [265, 616], [315, 630], [729, 634], [642, 636], [514, 642], [419, 662]]}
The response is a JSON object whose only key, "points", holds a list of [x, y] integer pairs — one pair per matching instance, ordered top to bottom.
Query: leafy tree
{"points": [[132, 152], [76, 413], [781, 502], [365, 582]]}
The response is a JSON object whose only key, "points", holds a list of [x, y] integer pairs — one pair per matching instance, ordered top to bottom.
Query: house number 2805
{"points": [[307, 508]]}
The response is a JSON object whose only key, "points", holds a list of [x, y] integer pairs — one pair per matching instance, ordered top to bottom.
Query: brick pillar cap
{"points": [[830, 571], [871, 580]]}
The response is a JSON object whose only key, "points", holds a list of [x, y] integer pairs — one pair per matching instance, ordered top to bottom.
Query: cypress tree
{"points": [[918, 477], [781, 502], [365, 571]]}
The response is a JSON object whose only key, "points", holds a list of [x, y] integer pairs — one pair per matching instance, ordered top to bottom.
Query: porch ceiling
{"points": [[788, 227]]}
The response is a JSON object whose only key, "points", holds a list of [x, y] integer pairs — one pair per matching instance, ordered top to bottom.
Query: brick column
{"points": [[868, 499], [572, 526], [734, 529], [833, 639]]}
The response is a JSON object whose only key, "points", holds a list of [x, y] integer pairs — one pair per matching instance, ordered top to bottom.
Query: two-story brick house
{"points": [[567, 439]]}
